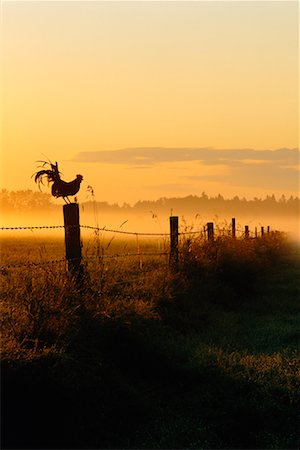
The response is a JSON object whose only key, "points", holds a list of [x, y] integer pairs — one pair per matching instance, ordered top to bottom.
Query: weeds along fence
{"points": [[170, 248]]}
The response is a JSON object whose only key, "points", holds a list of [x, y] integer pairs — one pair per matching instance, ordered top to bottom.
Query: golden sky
{"points": [[81, 79]]}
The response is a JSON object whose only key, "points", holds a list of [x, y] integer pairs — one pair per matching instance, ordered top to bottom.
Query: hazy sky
{"points": [[168, 88]]}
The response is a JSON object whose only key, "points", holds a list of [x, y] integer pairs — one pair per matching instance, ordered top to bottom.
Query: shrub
{"points": [[235, 263]]}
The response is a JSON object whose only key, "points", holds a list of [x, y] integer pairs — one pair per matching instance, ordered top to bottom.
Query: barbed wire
{"points": [[33, 227], [41, 227], [218, 231], [134, 233], [122, 255], [20, 264]]}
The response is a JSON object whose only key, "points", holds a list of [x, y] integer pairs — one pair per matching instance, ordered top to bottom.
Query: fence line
{"points": [[32, 228], [133, 233], [120, 255], [76, 257], [64, 260], [31, 264]]}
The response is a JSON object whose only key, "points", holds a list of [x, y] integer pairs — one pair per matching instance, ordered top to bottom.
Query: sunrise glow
{"points": [[104, 76]]}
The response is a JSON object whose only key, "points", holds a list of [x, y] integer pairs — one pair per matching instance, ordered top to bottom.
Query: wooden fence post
{"points": [[233, 227], [268, 229], [210, 231], [246, 231], [262, 231], [256, 232], [72, 239], [174, 242]]}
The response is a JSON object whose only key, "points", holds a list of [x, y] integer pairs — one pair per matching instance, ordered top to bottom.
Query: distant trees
{"points": [[24, 200], [36, 200], [218, 204]]}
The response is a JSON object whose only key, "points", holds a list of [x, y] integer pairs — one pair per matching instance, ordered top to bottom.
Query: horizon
{"points": [[232, 172], [90, 199], [149, 216]]}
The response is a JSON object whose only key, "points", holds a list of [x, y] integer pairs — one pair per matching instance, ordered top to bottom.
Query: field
{"points": [[142, 356]]}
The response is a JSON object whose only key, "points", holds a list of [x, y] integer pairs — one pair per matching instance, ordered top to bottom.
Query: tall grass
{"points": [[41, 306], [205, 357]]}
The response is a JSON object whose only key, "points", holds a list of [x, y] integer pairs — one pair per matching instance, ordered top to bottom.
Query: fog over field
{"points": [[146, 220]]}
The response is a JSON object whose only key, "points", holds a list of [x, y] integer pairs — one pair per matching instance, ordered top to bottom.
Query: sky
{"points": [[150, 99]]}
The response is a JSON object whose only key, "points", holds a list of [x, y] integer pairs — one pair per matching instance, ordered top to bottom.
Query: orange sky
{"points": [[84, 77]]}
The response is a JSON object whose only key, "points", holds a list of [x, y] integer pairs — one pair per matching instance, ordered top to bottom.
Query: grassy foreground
{"points": [[140, 357]]}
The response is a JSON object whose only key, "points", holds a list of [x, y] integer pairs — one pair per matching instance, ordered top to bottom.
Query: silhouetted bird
{"points": [[59, 188]]}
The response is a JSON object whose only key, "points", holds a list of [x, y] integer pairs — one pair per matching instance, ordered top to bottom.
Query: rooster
{"points": [[59, 188]]}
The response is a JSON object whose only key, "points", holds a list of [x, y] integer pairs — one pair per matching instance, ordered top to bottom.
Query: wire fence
{"points": [[221, 231], [133, 233], [139, 254], [20, 264]]}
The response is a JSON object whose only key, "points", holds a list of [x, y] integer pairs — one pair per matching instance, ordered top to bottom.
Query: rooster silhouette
{"points": [[59, 188]]}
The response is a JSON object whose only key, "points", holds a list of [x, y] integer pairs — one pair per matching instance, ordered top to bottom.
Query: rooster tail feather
{"points": [[44, 173]]}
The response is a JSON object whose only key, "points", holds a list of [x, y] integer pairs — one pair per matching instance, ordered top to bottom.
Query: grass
{"points": [[140, 357]]}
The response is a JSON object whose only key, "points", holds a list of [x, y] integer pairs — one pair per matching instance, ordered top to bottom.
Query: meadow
{"points": [[138, 355]]}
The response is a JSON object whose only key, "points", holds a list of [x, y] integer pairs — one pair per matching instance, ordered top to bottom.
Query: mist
{"points": [[143, 221]]}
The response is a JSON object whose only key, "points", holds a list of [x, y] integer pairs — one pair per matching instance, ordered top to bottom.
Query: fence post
{"points": [[233, 227], [268, 229], [210, 231], [246, 231], [262, 231], [256, 232], [72, 239], [174, 242]]}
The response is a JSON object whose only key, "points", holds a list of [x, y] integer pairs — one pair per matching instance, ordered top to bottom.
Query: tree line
{"points": [[35, 200]]}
